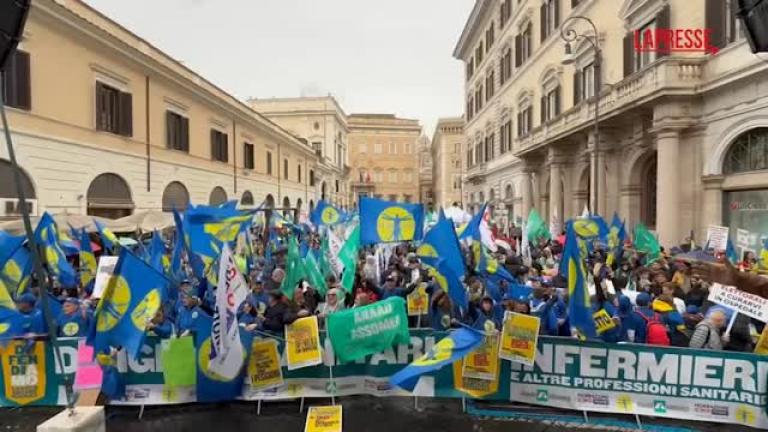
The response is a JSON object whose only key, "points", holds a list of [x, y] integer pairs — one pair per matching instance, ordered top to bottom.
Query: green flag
{"points": [[537, 229], [646, 243], [348, 257], [322, 262], [294, 268], [315, 277], [358, 332]]}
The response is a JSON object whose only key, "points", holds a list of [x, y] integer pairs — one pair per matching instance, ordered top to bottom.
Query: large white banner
{"points": [[749, 304], [226, 350]]}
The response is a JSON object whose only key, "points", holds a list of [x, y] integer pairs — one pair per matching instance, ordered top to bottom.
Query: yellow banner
{"points": [[418, 301], [603, 321], [518, 338], [302, 343], [762, 343], [483, 363], [24, 371], [264, 371], [474, 387], [324, 419]]}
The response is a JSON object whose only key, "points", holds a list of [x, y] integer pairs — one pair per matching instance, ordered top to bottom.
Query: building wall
{"points": [[71, 46], [384, 149], [447, 160], [426, 190]]}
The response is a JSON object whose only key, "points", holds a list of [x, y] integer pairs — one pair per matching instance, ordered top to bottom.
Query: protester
{"points": [[278, 313], [188, 314], [32, 319], [73, 320], [161, 326], [707, 333]]}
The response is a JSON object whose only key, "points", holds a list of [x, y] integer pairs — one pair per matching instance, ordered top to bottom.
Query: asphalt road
{"points": [[367, 414]]}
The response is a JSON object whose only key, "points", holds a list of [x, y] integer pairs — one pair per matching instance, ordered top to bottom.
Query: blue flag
{"points": [[326, 214], [388, 221], [206, 228], [472, 228], [591, 228], [47, 237], [616, 237], [108, 238], [441, 242], [8, 245], [157, 252], [730, 253], [88, 266], [16, 272], [450, 283], [134, 294], [579, 305], [453, 347], [212, 387]]}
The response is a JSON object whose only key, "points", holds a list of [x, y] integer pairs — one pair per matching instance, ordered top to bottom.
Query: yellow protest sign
{"points": [[418, 301], [603, 321], [519, 335], [302, 343], [762, 343], [483, 362], [24, 371], [264, 371], [474, 387], [324, 419]]}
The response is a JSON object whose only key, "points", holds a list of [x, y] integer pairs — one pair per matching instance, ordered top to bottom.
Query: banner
{"points": [[418, 301], [749, 304], [603, 321], [362, 331], [518, 337], [303, 343], [226, 350], [483, 363], [264, 371], [24, 372], [681, 383], [324, 419]]}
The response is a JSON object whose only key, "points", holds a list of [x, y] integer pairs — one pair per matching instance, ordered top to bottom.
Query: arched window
{"points": [[748, 152], [311, 177], [8, 182], [323, 190], [509, 192], [648, 193], [109, 196], [175, 196], [218, 196], [246, 199], [269, 201], [286, 207], [297, 212]]}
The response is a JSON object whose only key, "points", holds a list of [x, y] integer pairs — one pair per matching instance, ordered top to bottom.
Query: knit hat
{"points": [[642, 299]]}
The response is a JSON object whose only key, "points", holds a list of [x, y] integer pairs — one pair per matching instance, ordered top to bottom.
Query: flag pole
{"points": [[36, 260]]}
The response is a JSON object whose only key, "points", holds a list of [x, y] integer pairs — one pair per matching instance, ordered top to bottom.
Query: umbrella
{"points": [[458, 215], [146, 221], [127, 241]]}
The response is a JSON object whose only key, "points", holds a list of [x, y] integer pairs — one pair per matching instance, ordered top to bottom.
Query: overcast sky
{"points": [[385, 57]]}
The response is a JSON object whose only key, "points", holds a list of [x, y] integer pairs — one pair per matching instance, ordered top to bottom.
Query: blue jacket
{"points": [[546, 313], [186, 319], [631, 320], [33, 322], [72, 325], [164, 330], [613, 335]]}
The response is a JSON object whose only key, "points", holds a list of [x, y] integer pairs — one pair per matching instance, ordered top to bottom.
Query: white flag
{"points": [[334, 248], [226, 357]]}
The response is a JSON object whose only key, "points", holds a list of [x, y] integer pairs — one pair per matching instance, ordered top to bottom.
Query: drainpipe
{"points": [[147, 118], [234, 154]]}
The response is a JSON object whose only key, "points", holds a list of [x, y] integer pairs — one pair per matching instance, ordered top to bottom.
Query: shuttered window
{"points": [[15, 85], [114, 110], [177, 131], [219, 146], [249, 156], [269, 163]]}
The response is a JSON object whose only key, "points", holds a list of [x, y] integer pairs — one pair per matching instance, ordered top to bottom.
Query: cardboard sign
{"points": [[717, 237], [743, 239], [103, 273], [418, 301], [749, 304], [603, 321], [518, 338], [302, 343], [178, 356], [483, 362], [24, 371], [264, 371], [88, 375], [474, 387], [324, 419]]}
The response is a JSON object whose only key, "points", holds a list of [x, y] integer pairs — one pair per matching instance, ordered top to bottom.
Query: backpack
{"points": [[655, 331]]}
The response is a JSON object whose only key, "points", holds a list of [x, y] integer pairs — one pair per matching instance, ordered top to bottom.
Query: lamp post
{"points": [[570, 35]]}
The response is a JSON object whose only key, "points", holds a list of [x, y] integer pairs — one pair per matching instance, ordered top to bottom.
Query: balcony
{"points": [[666, 76], [476, 174]]}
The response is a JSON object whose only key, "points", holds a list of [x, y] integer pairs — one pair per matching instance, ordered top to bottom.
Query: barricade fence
{"points": [[679, 383]]}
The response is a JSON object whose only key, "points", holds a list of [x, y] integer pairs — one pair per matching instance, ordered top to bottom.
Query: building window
{"points": [[506, 13], [550, 17], [490, 37], [523, 45], [479, 52], [645, 57], [506, 65], [470, 68], [584, 83], [16, 85], [490, 85], [479, 99], [550, 104], [470, 107], [114, 110], [524, 121], [176, 131], [505, 137], [489, 144], [219, 146], [317, 146], [377, 148], [392, 148], [479, 152], [749, 152], [249, 156], [469, 158], [269, 163], [285, 169], [298, 173], [393, 176], [311, 177], [337, 186], [407, 198]]}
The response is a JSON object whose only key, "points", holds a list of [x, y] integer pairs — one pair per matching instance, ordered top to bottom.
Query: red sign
{"points": [[668, 40]]}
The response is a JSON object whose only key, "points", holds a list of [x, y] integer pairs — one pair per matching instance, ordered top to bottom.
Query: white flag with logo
{"points": [[334, 248], [226, 357]]}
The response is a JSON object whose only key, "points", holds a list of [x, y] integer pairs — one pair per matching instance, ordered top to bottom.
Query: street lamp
{"points": [[569, 35]]}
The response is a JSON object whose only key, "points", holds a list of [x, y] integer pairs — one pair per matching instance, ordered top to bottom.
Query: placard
{"points": [[717, 237], [103, 273], [418, 301], [749, 304], [603, 321], [518, 338], [302, 343], [483, 362], [24, 371], [264, 371], [89, 374], [324, 419]]}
